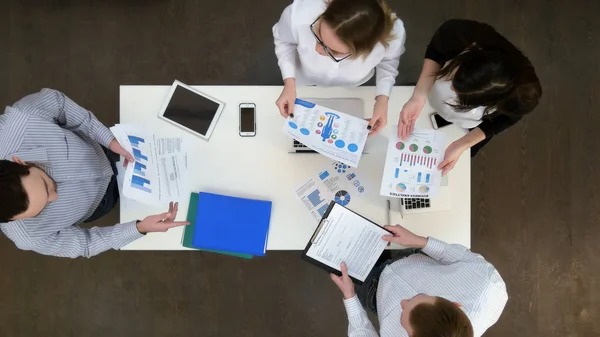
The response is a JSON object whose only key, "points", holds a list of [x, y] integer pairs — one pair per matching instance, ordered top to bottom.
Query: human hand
{"points": [[286, 100], [408, 116], [379, 119], [115, 147], [453, 153], [161, 222], [404, 237], [344, 282]]}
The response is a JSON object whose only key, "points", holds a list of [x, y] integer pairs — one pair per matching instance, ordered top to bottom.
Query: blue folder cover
{"points": [[232, 224]]}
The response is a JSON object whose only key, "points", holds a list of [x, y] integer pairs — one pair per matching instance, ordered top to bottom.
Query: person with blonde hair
{"points": [[339, 43]]}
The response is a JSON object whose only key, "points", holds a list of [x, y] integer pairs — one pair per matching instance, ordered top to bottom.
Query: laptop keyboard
{"points": [[299, 145], [416, 203]]}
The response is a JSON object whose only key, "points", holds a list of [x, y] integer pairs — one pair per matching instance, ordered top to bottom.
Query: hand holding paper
{"points": [[115, 147], [404, 237], [344, 282]]}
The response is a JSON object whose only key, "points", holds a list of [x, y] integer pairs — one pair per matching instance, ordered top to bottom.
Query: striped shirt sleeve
{"points": [[58, 108], [75, 241], [448, 253], [359, 324]]}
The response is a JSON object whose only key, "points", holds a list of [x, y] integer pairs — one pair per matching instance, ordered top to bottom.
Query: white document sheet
{"points": [[331, 133], [411, 165], [159, 172], [337, 181], [347, 237]]}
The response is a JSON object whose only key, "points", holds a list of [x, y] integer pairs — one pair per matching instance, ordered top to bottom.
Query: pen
{"points": [[401, 208], [388, 216]]}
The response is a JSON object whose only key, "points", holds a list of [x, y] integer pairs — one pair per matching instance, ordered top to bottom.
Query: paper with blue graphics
{"points": [[331, 133], [411, 165], [159, 172], [338, 182]]}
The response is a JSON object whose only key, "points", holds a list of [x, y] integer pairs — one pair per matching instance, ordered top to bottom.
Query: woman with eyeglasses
{"points": [[339, 43], [476, 79]]}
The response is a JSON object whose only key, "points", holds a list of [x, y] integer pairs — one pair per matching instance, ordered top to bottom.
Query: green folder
{"points": [[188, 234]]}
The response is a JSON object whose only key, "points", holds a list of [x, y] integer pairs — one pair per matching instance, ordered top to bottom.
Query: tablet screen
{"points": [[191, 110]]}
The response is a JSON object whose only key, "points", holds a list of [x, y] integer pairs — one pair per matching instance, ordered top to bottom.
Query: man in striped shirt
{"points": [[55, 175], [437, 289]]}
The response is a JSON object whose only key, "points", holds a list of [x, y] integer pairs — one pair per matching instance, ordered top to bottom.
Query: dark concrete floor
{"points": [[536, 189]]}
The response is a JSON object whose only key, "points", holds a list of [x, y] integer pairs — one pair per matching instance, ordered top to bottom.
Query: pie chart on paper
{"points": [[413, 147], [342, 198]]}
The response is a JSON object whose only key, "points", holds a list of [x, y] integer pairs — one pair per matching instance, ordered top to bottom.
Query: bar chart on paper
{"points": [[411, 166], [139, 180]]}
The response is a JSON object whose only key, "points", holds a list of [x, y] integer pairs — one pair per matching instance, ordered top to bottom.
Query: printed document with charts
{"points": [[331, 133], [411, 165], [160, 169], [337, 182], [345, 236]]}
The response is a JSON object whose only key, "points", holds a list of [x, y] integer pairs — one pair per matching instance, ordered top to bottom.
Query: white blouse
{"points": [[295, 48], [442, 93]]}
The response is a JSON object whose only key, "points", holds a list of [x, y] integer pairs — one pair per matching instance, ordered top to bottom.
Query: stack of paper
{"points": [[228, 225]]}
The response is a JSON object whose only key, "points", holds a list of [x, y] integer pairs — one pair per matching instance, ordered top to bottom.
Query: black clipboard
{"points": [[319, 227]]}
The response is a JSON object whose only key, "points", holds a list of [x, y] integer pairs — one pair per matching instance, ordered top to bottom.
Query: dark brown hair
{"points": [[360, 24], [499, 80], [15, 200], [440, 319]]}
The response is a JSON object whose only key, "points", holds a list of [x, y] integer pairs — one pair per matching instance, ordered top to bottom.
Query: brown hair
{"points": [[360, 24], [17, 200], [441, 319]]}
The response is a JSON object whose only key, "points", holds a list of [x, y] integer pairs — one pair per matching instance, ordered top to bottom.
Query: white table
{"points": [[261, 167]]}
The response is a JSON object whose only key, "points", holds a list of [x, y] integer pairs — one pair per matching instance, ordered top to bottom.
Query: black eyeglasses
{"points": [[327, 51]]}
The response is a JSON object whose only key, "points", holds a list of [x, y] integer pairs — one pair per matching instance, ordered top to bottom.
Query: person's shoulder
{"points": [[305, 12], [398, 32], [42, 97], [12, 124], [18, 233]]}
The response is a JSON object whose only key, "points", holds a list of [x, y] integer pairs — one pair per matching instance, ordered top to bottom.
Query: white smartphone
{"points": [[247, 119], [438, 122]]}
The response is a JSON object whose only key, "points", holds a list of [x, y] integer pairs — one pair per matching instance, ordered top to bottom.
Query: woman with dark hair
{"points": [[339, 43], [476, 79]]}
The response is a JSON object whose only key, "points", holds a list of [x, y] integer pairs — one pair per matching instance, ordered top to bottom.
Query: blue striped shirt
{"points": [[62, 138], [449, 271]]}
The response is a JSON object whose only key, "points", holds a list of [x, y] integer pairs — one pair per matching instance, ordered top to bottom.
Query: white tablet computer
{"points": [[191, 110]]}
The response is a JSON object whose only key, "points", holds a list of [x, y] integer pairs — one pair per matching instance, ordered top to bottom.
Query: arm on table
{"points": [[286, 43], [426, 79], [56, 107], [412, 109], [488, 128], [470, 139], [75, 241], [359, 324]]}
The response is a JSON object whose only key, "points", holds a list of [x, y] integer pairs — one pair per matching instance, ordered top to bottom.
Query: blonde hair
{"points": [[361, 24]]}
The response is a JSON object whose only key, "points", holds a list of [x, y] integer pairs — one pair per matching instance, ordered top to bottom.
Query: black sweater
{"points": [[453, 37]]}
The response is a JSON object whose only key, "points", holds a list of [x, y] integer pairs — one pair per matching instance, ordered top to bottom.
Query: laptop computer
{"points": [[350, 106], [441, 202]]}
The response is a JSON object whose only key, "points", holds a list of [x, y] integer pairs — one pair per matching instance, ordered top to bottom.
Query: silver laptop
{"points": [[351, 106], [441, 202]]}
